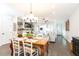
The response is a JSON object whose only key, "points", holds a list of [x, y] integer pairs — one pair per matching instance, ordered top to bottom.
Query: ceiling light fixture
{"points": [[31, 16]]}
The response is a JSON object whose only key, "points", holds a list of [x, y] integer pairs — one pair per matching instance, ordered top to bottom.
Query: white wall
{"points": [[6, 17], [74, 25], [5, 29]]}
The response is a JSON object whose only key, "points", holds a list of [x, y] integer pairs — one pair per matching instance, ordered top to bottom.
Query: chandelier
{"points": [[30, 17]]}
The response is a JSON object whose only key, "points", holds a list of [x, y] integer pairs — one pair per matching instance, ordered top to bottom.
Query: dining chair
{"points": [[16, 47], [29, 49]]}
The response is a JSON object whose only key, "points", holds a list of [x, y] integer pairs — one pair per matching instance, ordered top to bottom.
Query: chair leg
{"points": [[37, 52]]}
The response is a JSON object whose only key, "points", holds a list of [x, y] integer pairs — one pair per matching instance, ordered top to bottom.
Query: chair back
{"points": [[27, 44], [16, 47]]}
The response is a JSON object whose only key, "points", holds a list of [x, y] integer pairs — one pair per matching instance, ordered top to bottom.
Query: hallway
{"points": [[60, 48]]}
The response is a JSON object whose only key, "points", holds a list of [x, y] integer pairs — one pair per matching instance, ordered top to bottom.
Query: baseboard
{"points": [[5, 44]]}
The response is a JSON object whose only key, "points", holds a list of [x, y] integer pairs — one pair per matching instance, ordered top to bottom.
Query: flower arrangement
{"points": [[28, 35]]}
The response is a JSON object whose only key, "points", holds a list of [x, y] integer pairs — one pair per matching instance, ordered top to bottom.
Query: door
{"points": [[59, 29]]}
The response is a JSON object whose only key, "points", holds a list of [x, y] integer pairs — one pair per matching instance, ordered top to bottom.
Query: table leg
{"points": [[47, 48], [41, 49], [44, 49]]}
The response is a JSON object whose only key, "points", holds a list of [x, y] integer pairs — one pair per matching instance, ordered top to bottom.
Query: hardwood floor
{"points": [[60, 48], [5, 50]]}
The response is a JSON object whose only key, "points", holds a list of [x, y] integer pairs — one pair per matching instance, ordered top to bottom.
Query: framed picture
{"points": [[67, 25]]}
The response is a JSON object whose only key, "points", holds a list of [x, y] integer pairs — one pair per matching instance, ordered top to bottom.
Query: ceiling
{"points": [[55, 11]]}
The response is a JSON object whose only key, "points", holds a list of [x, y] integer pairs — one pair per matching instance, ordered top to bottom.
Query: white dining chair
{"points": [[16, 47], [29, 49]]}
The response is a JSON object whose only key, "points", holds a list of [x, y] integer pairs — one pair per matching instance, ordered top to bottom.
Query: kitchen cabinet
{"points": [[21, 26]]}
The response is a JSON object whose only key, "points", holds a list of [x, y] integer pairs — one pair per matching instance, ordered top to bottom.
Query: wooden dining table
{"points": [[42, 44]]}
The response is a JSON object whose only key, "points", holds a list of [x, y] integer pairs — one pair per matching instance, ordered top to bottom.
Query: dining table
{"points": [[41, 43]]}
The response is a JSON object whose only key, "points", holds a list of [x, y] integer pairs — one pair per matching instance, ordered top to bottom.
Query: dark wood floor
{"points": [[60, 48]]}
